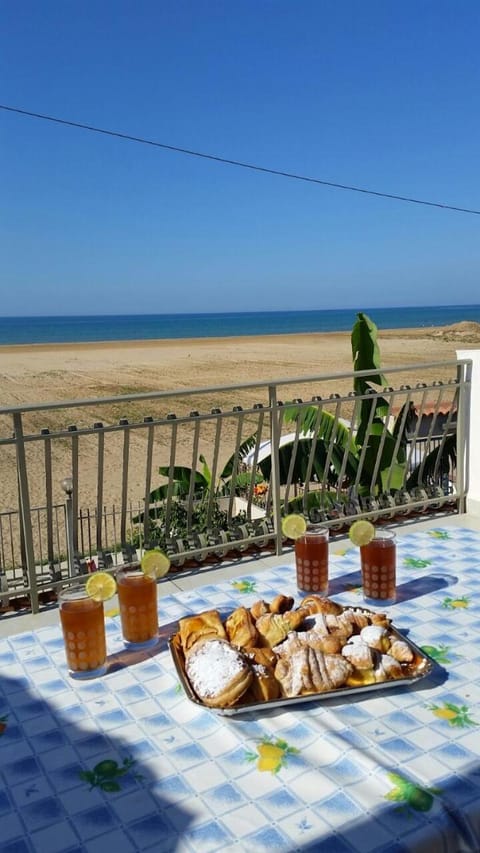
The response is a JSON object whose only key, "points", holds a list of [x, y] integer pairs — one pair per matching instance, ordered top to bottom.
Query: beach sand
{"points": [[42, 372], [46, 373]]}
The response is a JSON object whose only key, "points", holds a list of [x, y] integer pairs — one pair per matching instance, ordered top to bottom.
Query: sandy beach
{"points": [[43, 372], [46, 373]]}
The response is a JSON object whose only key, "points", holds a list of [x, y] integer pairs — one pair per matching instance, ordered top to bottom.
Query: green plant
{"points": [[375, 466]]}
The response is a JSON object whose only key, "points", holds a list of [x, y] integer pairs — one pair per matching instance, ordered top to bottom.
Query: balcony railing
{"points": [[234, 460]]}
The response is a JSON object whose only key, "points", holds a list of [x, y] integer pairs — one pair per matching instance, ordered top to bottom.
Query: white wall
{"points": [[473, 499]]}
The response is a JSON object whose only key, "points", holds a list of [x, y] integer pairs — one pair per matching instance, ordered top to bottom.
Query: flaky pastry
{"points": [[319, 604], [204, 626], [274, 627], [240, 628]]}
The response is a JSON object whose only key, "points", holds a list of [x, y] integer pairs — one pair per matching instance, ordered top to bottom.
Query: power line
{"points": [[237, 163]]}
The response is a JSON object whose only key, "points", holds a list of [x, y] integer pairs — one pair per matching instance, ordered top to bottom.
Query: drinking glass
{"points": [[311, 559], [378, 560], [137, 599], [83, 626]]}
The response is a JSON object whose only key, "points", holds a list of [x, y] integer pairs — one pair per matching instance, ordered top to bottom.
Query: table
{"points": [[127, 763]]}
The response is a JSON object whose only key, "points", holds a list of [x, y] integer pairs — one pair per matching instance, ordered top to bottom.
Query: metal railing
{"points": [[233, 460]]}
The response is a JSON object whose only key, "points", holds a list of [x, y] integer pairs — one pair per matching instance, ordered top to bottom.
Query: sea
{"points": [[146, 327]]}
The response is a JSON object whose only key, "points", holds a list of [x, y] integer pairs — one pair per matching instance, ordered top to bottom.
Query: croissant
{"points": [[318, 604], [204, 626], [274, 627], [241, 629], [400, 650]]}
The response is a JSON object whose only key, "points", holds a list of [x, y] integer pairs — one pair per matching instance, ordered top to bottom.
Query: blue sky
{"points": [[379, 94]]}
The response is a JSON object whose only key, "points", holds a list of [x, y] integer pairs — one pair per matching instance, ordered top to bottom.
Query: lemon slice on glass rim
{"points": [[293, 526], [361, 532], [155, 564], [101, 586]]}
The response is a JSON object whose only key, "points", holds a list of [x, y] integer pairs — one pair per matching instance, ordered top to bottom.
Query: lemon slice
{"points": [[293, 526], [361, 532], [155, 563], [101, 586]]}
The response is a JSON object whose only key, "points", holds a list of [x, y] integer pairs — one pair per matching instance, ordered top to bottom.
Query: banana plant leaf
{"points": [[365, 351]]}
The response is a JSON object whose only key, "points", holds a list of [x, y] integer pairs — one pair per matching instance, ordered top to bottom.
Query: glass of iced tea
{"points": [[311, 559], [378, 560], [137, 599], [83, 626]]}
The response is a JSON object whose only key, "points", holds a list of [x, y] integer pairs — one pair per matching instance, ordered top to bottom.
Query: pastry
{"points": [[281, 603], [318, 604], [259, 608], [355, 618], [380, 619], [204, 626], [274, 627], [240, 628], [376, 637], [329, 644], [400, 650], [359, 653], [262, 655], [387, 669], [310, 671], [218, 673], [264, 686]]}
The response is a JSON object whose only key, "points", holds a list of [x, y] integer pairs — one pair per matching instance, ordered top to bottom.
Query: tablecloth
{"points": [[127, 763]]}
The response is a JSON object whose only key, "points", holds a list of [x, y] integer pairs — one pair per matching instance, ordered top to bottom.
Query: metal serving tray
{"points": [[421, 667]]}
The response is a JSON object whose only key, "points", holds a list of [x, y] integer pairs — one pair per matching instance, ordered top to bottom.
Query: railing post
{"points": [[464, 432], [275, 471], [67, 486], [25, 513]]}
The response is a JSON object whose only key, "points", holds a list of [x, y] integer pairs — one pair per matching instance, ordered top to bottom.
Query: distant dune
{"points": [[466, 331]]}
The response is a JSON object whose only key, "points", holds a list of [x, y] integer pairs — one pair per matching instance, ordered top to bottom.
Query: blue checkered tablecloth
{"points": [[127, 763]]}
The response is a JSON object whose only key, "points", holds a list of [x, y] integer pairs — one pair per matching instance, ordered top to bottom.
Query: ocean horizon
{"points": [[128, 327]]}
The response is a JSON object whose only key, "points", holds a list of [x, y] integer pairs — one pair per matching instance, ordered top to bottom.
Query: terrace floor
{"points": [[16, 623]]}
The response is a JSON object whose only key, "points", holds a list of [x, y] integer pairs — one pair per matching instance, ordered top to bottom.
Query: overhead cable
{"points": [[238, 163]]}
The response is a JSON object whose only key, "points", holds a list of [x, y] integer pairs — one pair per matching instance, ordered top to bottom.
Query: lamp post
{"points": [[67, 486]]}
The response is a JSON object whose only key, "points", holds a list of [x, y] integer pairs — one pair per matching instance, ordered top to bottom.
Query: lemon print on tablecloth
{"points": [[439, 534], [340, 552], [413, 563], [244, 586], [456, 603], [113, 611], [437, 653], [455, 715], [271, 755], [107, 773], [409, 795]]}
